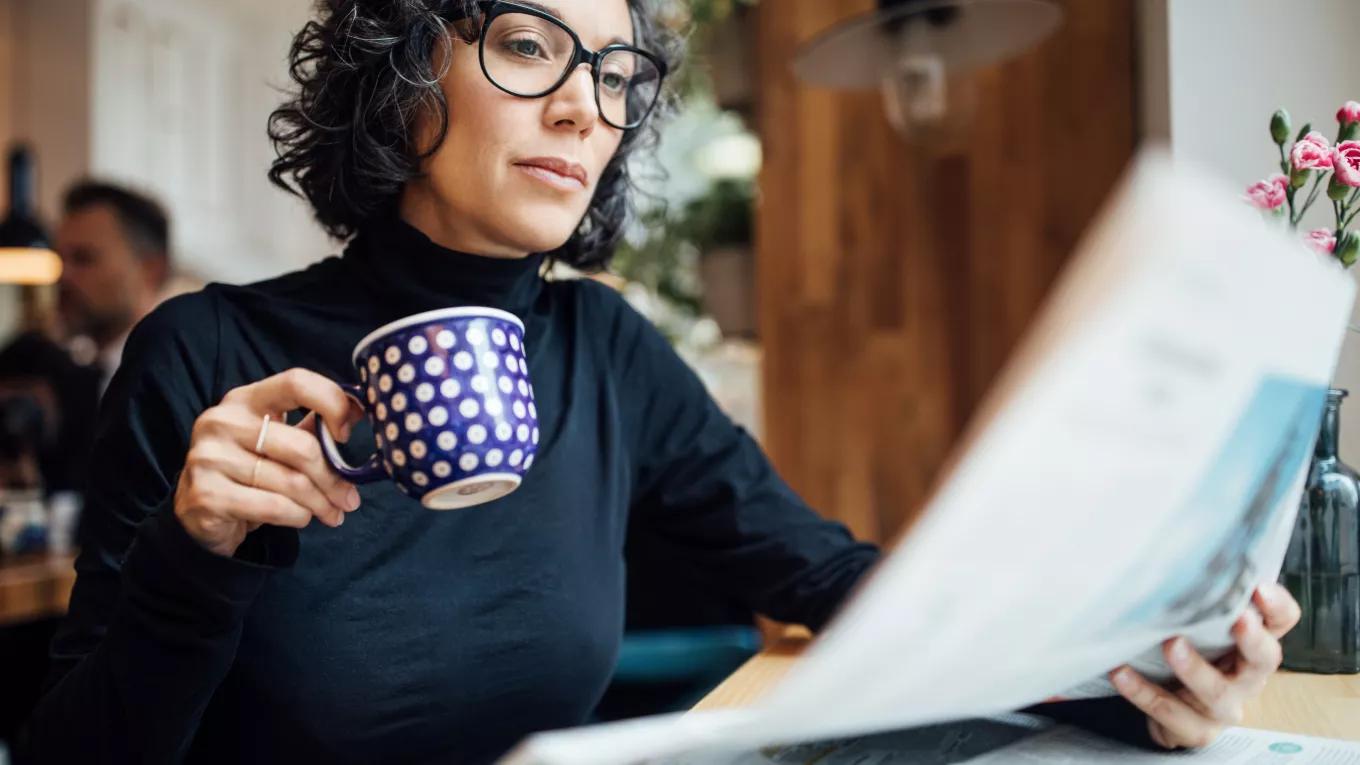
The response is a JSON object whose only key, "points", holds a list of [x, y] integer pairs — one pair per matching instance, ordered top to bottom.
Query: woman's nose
{"points": [[573, 104]]}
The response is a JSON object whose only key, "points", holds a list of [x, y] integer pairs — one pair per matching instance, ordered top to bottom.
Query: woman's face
{"points": [[486, 189]]}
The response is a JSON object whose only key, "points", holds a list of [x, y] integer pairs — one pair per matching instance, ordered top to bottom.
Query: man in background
{"points": [[114, 245]]}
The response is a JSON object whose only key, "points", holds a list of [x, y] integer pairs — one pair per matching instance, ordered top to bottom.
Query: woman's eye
{"points": [[525, 47], [614, 81]]}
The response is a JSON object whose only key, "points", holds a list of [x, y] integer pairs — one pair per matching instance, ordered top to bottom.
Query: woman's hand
{"points": [[227, 489], [1213, 696]]}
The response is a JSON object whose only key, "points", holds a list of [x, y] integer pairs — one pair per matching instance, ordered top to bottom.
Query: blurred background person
{"points": [[114, 245]]}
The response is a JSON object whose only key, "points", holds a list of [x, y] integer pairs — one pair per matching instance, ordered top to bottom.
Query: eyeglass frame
{"points": [[493, 9]]}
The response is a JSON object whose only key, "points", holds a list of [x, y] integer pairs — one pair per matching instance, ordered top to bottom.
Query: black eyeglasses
{"points": [[529, 53]]}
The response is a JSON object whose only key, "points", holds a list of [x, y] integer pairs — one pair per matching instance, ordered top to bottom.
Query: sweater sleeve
{"points": [[708, 500], [154, 618]]}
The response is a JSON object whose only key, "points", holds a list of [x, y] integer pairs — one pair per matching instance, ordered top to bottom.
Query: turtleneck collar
{"points": [[404, 268]]}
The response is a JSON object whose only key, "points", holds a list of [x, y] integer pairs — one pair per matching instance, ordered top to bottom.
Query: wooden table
{"points": [[35, 587], [1310, 705]]}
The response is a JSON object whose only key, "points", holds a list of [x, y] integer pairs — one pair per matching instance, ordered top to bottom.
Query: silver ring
{"points": [[264, 432], [255, 471]]}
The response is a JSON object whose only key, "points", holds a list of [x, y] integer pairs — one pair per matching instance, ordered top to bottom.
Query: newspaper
{"points": [[1132, 476], [1026, 739], [1237, 746]]}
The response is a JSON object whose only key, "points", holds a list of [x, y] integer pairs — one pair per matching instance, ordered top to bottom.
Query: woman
{"points": [[457, 146]]}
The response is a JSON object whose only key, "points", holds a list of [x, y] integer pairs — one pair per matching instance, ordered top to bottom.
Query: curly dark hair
{"points": [[346, 138]]}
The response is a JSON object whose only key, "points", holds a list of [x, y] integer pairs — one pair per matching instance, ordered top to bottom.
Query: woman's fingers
{"points": [[301, 389], [288, 445], [298, 449], [278, 478], [253, 507], [1279, 610], [1259, 651], [1213, 693], [1172, 722]]}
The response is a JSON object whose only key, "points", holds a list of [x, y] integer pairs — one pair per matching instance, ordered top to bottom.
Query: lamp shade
{"points": [[962, 34], [26, 256]]}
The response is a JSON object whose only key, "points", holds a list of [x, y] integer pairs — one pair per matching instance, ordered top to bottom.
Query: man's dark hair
{"points": [[364, 68], [144, 221]]}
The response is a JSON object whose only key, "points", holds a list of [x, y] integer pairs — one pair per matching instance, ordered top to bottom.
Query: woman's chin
{"points": [[544, 230]]}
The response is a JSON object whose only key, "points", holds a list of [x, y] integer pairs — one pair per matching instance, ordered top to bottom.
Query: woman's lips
{"points": [[552, 178]]}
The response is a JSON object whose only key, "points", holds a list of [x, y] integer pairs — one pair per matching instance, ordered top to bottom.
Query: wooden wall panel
{"points": [[895, 281]]}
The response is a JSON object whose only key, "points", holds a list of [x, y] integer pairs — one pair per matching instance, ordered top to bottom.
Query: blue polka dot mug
{"points": [[451, 404]]}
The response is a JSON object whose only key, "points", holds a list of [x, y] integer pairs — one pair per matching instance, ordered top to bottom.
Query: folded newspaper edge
{"points": [[1186, 340]]}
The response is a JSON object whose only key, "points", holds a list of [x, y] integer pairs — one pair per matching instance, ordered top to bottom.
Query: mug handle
{"points": [[368, 472]]}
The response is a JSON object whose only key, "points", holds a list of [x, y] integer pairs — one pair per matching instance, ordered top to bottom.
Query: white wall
{"points": [[1230, 64], [182, 91], [171, 96]]}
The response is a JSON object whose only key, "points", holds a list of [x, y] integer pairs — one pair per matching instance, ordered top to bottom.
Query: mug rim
{"points": [[425, 317]]}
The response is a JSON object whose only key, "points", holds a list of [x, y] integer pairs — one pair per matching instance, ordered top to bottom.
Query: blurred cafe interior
{"points": [[846, 256]]}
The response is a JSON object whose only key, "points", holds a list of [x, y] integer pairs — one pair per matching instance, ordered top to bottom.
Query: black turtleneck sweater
{"points": [[406, 635], [409, 635]]}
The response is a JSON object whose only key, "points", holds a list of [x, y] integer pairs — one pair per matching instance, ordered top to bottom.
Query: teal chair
{"points": [[670, 670]]}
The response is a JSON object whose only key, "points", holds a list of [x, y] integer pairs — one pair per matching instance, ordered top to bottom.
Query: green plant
{"points": [[697, 20], [722, 216], [665, 260]]}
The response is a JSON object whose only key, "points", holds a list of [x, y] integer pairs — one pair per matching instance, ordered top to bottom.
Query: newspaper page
{"points": [[1132, 476], [1029, 740], [1237, 746]]}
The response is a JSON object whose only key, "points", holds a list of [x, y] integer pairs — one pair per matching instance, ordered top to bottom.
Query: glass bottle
{"points": [[1322, 564]]}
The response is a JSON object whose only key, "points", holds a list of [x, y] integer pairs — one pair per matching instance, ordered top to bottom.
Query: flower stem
{"points": [[1312, 196]]}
